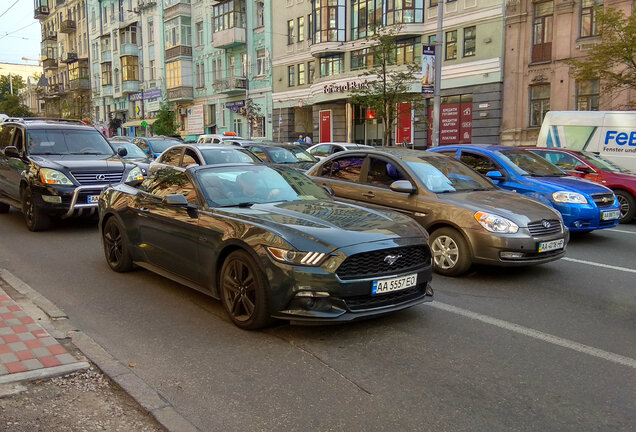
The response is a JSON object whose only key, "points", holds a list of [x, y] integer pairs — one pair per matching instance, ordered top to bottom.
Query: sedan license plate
{"points": [[93, 199], [610, 214], [551, 245], [399, 283]]}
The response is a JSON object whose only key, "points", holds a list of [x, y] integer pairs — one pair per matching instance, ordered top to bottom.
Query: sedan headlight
{"points": [[135, 174], [51, 176], [569, 197], [495, 223], [287, 256]]}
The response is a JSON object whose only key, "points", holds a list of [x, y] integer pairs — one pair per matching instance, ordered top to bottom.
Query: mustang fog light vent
{"points": [[53, 199], [511, 255]]}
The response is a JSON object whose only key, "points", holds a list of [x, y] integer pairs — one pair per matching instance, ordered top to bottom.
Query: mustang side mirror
{"points": [[11, 151], [121, 151], [580, 168], [494, 175], [403, 186]]}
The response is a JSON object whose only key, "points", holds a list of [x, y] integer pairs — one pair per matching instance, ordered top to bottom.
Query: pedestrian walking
{"points": [[300, 139], [308, 140]]}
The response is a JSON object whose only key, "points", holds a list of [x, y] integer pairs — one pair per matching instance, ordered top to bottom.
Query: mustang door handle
{"points": [[368, 195]]}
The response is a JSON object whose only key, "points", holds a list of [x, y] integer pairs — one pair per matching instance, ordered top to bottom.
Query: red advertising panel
{"points": [[466, 123], [456, 125], [325, 126], [404, 126]]}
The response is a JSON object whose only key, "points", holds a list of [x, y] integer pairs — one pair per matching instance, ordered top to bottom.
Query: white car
{"points": [[226, 138], [323, 150]]}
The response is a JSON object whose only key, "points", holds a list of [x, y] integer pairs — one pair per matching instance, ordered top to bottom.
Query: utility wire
{"points": [[14, 3], [15, 31]]}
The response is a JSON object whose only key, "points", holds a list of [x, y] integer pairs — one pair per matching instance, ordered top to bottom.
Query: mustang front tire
{"points": [[116, 246]]}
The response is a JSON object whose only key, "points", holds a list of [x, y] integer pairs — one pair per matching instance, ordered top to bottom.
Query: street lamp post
{"points": [[438, 74]]}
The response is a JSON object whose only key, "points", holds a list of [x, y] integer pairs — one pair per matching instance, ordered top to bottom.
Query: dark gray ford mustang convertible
{"points": [[268, 242]]}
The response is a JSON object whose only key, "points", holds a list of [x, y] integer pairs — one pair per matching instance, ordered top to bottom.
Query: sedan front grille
{"points": [[92, 178], [603, 199], [544, 227], [384, 261]]}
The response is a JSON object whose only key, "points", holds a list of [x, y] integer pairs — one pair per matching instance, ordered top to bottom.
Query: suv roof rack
{"points": [[23, 120]]}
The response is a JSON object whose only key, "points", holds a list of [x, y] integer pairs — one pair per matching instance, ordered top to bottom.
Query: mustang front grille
{"points": [[384, 261]]}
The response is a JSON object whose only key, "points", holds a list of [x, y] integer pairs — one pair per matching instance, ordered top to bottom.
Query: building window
{"points": [[433, 3], [404, 12], [260, 14], [228, 15], [366, 16], [588, 17], [329, 19], [310, 27], [301, 29], [151, 30], [178, 32], [199, 32], [290, 32], [542, 32], [128, 35], [470, 35], [432, 40], [451, 45], [405, 51], [361, 59], [261, 65], [331, 65], [130, 68], [78, 70], [311, 71], [153, 72], [173, 74], [301, 74], [107, 75], [217, 75], [291, 80], [587, 95], [539, 103], [238, 126], [258, 127]]}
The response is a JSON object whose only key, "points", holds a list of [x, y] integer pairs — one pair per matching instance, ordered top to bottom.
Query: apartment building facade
{"points": [[540, 36], [65, 57]]}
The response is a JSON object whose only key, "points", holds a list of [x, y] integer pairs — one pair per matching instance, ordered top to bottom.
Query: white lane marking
{"points": [[621, 231], [625, 269], [546, 337]]}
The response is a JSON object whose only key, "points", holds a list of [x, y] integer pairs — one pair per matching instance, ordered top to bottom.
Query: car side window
{"points": [[4, 136], [18, 140], [216, 141], [143, 145], [321, 150], [260, 153], [171, 157], [190, 158], [562, 160], [482, 164], [347, 168], [382, 173], [169, 181]]}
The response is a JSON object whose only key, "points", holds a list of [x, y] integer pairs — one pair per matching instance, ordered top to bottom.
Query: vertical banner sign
{"points": [[428, 70], [195, 120], [325, 126], [404, 129]]}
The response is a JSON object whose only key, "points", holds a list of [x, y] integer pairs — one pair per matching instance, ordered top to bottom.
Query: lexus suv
{"points": [[57, 168]]}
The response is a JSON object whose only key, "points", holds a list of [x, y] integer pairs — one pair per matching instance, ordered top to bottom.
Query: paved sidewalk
{"points": [[27, 351]]}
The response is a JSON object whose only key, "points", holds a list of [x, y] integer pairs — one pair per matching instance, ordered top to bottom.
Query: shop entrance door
{"points": [[325, 126]]}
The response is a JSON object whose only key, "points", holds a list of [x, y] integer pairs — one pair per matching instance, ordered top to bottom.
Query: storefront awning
{"points": [[137, 123]]}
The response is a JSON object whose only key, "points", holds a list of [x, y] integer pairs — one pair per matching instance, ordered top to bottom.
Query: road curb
{"points": [[145, 395]]}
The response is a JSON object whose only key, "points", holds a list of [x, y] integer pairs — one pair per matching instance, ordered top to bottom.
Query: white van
{"points": [[612, 134]]}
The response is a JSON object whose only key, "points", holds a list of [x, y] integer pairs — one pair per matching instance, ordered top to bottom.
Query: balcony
{"points": [[142, 4], [176, 10], [41, 12], [68, 26], [50, 36], [229, 38], [322, 49], [128, 50], [178, 51], [106, 56], [69, 57], [49, 63], [80, 84], [230, 85], [129, 87], [54, 90], [107, 90], [180, 93]]}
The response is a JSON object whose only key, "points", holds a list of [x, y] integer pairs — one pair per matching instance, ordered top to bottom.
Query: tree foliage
{"points": [[613, 59], [16, 80], [389, 84], [12, 107], [166, 123]]}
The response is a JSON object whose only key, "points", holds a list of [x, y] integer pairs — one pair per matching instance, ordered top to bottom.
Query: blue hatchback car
{"points": [[585, 206]]}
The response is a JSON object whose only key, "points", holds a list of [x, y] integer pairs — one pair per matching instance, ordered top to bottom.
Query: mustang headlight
{"points": [[135, 174], [51, 176], [569, 197], [495, 223], [287, 256]]}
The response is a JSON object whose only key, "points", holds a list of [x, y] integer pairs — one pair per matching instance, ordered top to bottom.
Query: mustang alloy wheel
{"points": [[35, 218], [116, 246], [451, 255], [243, 291]]}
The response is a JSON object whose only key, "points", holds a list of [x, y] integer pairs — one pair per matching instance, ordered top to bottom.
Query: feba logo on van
{"points": [[620, 138]]}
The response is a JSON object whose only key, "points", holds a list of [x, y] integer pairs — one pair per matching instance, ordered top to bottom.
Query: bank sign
{"points": [[345, 87]]}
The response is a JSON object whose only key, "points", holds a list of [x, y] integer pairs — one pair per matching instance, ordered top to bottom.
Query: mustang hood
{"points": [[331, 223]]}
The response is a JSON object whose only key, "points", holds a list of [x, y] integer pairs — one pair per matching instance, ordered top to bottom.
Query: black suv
{"points": [[54, 167]]}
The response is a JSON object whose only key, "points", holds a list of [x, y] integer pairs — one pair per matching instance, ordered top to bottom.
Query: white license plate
{"points": [[92, 199], [610, 214], [551, 245], [399, 283]]}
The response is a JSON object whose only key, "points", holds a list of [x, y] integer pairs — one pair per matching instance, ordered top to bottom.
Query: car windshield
{"points": [[67, 141], [159, 145], [133, 152], [227, 155], [280, 155], [302, 155], [600, 162], [527, 163], [442, 174], [253, 184]]}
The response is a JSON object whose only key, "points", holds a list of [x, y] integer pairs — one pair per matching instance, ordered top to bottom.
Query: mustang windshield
{"points": [[527, 163], [442, 174], [255, 184]]}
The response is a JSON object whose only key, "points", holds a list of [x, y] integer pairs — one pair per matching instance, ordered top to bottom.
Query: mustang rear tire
{"points": [[627, 205], [35, 218], [116, 246], [451, 254], [243, 292]]}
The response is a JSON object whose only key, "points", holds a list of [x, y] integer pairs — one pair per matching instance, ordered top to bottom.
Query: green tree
{"points": [[613, 59], [16, 80], [389, 83], [12, 107], [166, 123]]}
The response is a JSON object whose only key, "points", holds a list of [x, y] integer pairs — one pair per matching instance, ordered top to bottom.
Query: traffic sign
{"points": [[144, 123]]}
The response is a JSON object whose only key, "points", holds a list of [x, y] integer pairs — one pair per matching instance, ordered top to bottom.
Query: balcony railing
{"points": [[176, 10], [41, 12], [68, 26], [50, 36], [228, 38], [128, 49], [178, 51], [106, 56], [69, 57], [49, 63], [80, 84], [230, 84], [130, 87], [54, 90], [107, 90], [180, 93]]}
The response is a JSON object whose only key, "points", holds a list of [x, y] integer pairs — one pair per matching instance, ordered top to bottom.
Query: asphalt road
{"points": [[546, 348]]}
